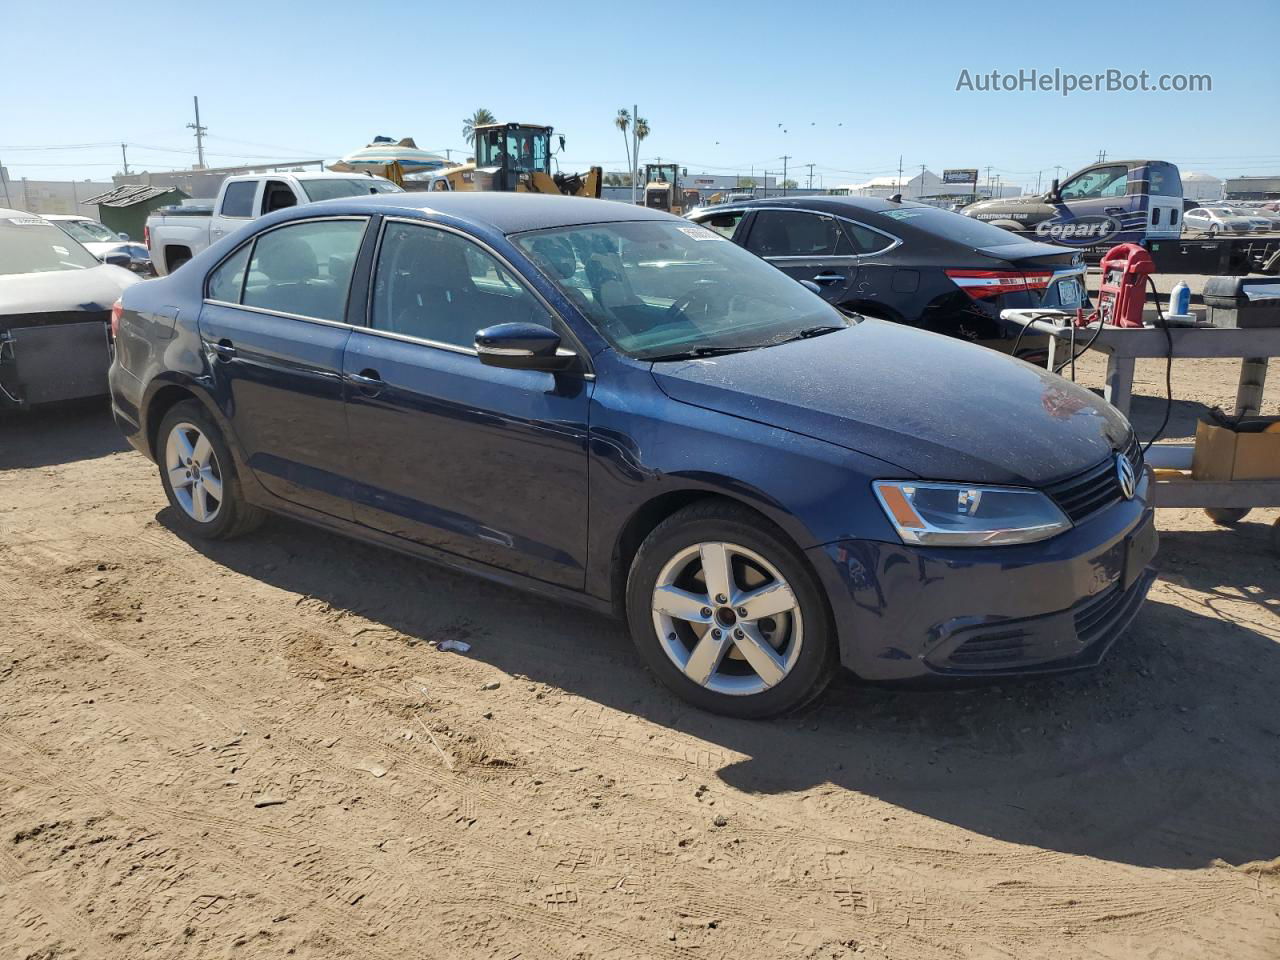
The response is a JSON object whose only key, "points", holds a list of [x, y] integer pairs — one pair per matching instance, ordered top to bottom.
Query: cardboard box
{"points": [[1223, 454]]}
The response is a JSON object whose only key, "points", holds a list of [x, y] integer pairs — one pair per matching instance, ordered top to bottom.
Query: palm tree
{"points": [[480, 118], [623, 121], [642, 131]]}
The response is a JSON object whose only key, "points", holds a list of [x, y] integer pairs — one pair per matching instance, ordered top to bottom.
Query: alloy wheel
{"points": [[194, 472], [727, 618]]}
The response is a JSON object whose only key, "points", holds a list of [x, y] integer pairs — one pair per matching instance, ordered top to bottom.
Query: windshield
{"points": [[355, 187], [87, 231], [34, 245], [657, 288]]}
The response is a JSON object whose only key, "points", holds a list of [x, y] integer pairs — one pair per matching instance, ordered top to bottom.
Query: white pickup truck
{"points": [[176, 234]]}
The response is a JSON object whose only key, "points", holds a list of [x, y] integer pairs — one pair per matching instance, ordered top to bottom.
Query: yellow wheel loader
{"points": [[517, 157], [662, 189]]}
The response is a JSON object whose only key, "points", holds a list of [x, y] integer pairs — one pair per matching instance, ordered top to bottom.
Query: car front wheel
{"points": [[199, 476], [727, 613]]}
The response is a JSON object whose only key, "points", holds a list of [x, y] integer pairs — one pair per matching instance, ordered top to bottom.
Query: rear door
{"points": [[806, 246], [274, 329], [485, 463]]}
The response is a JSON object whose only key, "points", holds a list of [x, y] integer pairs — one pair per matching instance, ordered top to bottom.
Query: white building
{"points": [[925, 184], [1202, 186]]}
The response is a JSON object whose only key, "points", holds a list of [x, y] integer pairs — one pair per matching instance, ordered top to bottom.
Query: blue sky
{"points": [[725, 87]]}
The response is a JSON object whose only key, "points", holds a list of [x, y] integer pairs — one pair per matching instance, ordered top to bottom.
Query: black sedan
{"points": [[904, 261], [612, 406]]}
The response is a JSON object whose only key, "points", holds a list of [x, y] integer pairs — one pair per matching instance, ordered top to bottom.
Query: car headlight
{"points": [[968, 515]]}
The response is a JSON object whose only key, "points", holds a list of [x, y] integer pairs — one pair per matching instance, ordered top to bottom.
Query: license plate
{"points": [[1069, 293], [1140, 550]]}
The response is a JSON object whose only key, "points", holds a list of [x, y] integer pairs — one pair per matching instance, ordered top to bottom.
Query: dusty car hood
{"points": [[94, 288], [934, 406]]}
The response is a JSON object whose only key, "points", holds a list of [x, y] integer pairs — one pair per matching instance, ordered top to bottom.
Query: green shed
{"points": [[125, 209]]}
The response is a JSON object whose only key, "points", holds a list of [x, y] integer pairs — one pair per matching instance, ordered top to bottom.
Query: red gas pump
{"points": [[1123, 294]]}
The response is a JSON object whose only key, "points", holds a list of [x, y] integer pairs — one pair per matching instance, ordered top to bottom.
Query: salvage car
{"points": [[1216, 220], [99, 240], [905, 261], [55, 309], [611, 406]]}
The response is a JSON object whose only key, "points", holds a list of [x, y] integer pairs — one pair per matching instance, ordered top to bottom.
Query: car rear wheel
{"points": [[199, 476], [728, 614]]}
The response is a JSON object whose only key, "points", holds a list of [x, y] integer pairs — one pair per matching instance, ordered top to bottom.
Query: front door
{"points": [[1095, 206], [806, 246], [275, 335], [486, 463]]}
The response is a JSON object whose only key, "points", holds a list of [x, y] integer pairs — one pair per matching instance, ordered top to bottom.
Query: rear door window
{"points": [[237, 199], [794, 233], [864, 239], [304, 268]]}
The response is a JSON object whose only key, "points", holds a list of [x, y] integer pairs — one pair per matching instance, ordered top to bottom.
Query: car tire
{"points": [[199, 476], [771, 661]]}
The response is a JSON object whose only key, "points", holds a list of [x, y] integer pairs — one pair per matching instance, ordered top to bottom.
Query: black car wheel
{"points": [[199, 476], [727, 613]]}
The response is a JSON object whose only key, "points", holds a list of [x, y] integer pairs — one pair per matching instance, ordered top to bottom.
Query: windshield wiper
{"points": [[805, 334], [696, 352]]}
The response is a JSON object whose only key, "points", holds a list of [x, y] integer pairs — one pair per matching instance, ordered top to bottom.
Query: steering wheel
{"points": [[697, 294]]}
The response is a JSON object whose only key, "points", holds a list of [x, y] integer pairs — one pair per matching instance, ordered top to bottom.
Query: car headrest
{"points": [[556, 254], [287, 259]]}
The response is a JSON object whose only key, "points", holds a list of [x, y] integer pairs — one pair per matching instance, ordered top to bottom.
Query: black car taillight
{"points": [[983, 284]]}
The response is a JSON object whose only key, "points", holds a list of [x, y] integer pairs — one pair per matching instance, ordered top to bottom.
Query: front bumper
{"points": [[907, 612]]}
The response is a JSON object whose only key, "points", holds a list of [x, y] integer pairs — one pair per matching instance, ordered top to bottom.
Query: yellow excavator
{"points": [[517, 157]]}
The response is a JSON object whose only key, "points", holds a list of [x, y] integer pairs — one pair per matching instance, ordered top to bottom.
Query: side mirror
{"points": [[1053, 195], [123, 236], [117, 258], [522, 346]]}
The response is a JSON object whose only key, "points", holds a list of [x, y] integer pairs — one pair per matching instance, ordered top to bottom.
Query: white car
{"points": [[1216, 220], [99, 239]]}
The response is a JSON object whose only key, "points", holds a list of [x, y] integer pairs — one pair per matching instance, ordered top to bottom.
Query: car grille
{"points": [[1095, 489], [994, 649]]}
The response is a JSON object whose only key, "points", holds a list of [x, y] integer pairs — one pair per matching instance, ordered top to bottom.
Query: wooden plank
{"points": [[1215, 493]]}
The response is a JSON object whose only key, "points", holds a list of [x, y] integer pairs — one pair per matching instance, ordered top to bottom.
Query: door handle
{"points": [[1113, 211], [828, 278], [224, 349], [367, 382]]}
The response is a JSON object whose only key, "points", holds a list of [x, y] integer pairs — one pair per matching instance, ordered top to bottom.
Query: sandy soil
{"points": [[254, 750]]}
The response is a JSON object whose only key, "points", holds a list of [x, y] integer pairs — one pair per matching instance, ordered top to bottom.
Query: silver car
{"points": [[1215, 221]]}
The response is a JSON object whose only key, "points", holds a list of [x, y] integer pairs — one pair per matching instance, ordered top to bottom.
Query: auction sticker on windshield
{"points": [[701, 233]]}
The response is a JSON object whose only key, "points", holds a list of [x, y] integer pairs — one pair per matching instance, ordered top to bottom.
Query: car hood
{"points": [[56, 291], [936, 407]]}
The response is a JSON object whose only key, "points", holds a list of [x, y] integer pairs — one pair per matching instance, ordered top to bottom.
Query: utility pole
{"points": [[200, 132], [1102, 156], [124, 158], [784, 158], [810, 166], [1038, 172], [988, 179], [899, 188], [921, 193]]}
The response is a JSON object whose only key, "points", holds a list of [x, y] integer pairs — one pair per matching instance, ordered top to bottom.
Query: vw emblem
{"points": [[1128, 479]]}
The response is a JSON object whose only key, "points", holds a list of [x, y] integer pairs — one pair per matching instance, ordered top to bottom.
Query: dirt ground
{"points": [[255, 750]]}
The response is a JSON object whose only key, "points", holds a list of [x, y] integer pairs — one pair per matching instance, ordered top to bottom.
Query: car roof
{"points": [[828, 204], [510, 212], [6, 213], [63, 216]]}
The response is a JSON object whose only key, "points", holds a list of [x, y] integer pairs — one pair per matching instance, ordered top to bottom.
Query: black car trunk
{"points": [[1051, 276]]}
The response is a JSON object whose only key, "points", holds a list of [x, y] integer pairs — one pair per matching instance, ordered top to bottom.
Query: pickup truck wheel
{"points": [[199, 476], [1226, 516]]}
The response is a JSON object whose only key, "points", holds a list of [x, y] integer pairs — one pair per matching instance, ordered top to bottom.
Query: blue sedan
{"points": [[612, 406]]}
